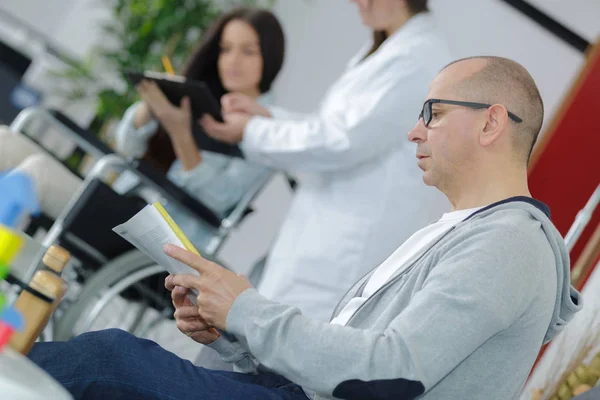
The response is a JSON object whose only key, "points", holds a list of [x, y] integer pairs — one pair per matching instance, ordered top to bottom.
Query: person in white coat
{"points": [[357, 166]]}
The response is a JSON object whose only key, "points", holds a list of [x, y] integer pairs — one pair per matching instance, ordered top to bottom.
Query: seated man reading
{"points": [[459, 311]]}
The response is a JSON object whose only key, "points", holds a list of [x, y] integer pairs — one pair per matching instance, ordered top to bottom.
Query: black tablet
{"points": [[177, 87], [202, 102]]}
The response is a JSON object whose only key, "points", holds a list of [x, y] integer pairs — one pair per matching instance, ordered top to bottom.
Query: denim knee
{"points": [[107, 337], [113, 342], [89, 355]]}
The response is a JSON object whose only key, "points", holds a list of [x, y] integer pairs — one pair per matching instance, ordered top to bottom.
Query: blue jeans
{"points": [[113, 364]]}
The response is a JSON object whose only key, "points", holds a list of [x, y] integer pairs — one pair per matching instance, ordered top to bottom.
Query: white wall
{"points": [[44, 15], [581, 16], [320, 37]]}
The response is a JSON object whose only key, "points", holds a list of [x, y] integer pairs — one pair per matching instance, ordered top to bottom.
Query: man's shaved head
{"points": [[497, 80]]}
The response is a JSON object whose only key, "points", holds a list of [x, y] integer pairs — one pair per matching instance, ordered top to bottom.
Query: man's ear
{"points": [[495, 124]]}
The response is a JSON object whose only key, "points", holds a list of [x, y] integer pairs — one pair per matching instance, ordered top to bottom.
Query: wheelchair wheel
{"points": [[126, 293]]}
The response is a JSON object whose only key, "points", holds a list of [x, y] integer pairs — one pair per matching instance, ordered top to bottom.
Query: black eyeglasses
{"points": [[426, 113]]}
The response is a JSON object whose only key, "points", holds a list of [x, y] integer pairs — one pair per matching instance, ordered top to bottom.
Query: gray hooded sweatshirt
{"points": [[464, 320]]}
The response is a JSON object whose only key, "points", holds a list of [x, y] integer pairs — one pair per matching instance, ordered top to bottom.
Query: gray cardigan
{"points": [[465, 320]]}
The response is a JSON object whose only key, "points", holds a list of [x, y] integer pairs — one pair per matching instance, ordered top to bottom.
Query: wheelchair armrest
{"points": [[83, 133], [181, 196]]}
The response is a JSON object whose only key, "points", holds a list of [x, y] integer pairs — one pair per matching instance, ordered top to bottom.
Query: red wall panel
{"points": [[565, 168]]}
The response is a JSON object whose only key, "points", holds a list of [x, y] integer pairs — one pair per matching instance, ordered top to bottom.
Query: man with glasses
{"points": [[459, 311]]}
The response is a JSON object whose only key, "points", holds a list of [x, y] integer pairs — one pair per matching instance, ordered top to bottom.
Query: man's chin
{"points": [[427, 179]]}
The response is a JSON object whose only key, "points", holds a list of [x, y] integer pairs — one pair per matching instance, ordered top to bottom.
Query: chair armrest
{"points": [[84, 134], [160, 180]]}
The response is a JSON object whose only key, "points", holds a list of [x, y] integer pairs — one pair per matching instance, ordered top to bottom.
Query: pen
{"points": [[167, 65]]}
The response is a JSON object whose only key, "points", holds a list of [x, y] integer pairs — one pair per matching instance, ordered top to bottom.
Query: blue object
{"points": [[23, 96], [18, 198], [12, 318]]}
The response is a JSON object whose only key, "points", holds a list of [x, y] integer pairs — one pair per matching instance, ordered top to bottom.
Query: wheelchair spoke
{"points": [[154, 295], [107, 296], [140, 312], [164, 314]]}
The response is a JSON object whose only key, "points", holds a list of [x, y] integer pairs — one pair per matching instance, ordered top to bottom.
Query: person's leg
{"points": [[14, 148], [54, 183], [113, 364]]}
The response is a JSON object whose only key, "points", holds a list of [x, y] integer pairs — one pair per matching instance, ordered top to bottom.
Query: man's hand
{"points": [[238, 102], [176, 120], [231, 131], [217, 287], [187, 318]]}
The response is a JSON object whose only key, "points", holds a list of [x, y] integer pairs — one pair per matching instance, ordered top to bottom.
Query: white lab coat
{"points": [[361, 193]]}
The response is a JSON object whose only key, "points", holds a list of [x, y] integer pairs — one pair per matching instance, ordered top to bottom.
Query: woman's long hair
{"points": [[415, 7], [203, 66]]}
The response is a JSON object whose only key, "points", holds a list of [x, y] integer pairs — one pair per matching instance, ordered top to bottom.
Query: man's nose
{"points": [[418, 133]]}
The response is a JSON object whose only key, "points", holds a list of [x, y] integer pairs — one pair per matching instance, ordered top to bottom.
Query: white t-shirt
{"points": [[398, 260]]}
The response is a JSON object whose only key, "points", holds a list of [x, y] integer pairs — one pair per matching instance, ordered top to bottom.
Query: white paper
{"points": [[149, 232]]}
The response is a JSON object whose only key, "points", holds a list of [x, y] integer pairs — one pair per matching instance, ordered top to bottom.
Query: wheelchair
{"points": [[108, 269]]}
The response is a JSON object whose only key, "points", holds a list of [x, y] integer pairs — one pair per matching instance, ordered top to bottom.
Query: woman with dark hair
{"points": [[242, 52], [249, 68]]}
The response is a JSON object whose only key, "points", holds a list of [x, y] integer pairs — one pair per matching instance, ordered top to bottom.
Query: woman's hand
{"points": [[241, 103], [237, 109], [142, 115], [176, 120], [231, 131], [187, 317]]}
